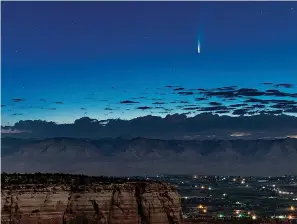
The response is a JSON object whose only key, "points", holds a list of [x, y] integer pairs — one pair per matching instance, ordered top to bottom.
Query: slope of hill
{"points": [[141, 156]]}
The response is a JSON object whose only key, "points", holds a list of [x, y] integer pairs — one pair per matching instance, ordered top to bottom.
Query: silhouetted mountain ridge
{"points": [[142, 155]]}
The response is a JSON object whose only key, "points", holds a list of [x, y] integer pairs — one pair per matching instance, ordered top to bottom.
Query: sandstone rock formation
{"points": [[127, 203]]}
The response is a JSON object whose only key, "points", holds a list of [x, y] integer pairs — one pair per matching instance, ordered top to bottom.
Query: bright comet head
{"points": [[198, 46]]}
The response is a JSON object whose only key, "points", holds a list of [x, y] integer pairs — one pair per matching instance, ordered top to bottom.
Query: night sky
{"points": [[65, 60]]}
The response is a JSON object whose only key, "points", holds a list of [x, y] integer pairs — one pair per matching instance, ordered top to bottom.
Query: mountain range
{"points": [[141, 156]]}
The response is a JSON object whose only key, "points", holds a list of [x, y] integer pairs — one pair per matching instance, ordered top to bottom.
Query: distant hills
{"points": [[140, 156]]}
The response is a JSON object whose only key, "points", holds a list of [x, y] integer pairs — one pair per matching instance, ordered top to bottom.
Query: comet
{"points": [[198, 46]]}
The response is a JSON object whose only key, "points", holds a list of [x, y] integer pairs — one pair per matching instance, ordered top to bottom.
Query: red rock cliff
{"points": [[127, 203]]}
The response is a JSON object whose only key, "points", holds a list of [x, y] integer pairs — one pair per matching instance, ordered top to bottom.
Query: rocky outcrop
{"points": [[127, 203]]}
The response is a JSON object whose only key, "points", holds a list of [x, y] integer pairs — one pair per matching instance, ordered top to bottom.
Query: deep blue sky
{"points": [[69, 51]]}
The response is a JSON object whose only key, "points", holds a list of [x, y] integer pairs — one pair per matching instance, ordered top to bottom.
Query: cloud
{"points": [[286, 85], [171, 86], [179, 89], [244, 92], [249, 92], [186, 93], [277, 93], [224, 94], [200, 99], [16, 100], [235, 100], [246, 101], [128, 102], [158, 103], [215, 103], [239, 105], [144, 108], [191, 108], [214, 108], [293, 109], [272, 112], [17, 114], [170, 127], [12, 131], [239, 134]]}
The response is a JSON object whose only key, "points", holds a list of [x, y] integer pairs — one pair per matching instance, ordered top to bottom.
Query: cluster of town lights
{"points": [[202, 208], [240, 214]]}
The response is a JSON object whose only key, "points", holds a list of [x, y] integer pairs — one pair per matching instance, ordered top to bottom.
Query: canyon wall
{"points": [[127, 203]]}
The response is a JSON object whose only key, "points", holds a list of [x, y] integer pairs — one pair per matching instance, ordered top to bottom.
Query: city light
{"points": [[200, 206], [240, 207], [290, 217]]}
